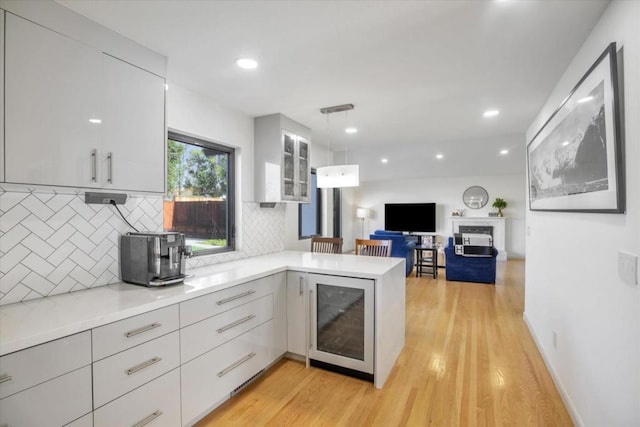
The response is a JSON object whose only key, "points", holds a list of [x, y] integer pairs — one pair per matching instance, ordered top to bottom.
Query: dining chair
{"points": [[326, 245], [373, 247]]}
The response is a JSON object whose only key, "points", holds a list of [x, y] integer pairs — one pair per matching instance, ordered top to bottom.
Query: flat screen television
{"points": [[410, 217]]}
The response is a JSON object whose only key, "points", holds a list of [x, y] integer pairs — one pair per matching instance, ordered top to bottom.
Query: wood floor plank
{"points": [[468, 360]]}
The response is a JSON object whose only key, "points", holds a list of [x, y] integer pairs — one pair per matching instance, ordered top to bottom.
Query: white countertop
{"points": [[37, 321]]}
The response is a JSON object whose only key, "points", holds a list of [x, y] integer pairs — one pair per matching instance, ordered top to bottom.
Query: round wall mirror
{"points": [[475, 197]]}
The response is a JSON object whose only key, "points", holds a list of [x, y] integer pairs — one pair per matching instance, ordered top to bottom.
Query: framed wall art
{"points": [[576, 160]]}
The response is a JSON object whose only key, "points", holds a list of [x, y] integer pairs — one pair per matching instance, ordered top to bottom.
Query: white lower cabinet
{"points": [[297, 309], [210, 333], [35, 365], [122, 372], [138, 377], [206, 381], [53, 403], [156, 403]]}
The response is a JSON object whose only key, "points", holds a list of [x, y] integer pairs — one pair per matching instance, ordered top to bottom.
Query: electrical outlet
{"points": [[104, 198], [628, 267], [555, 339]]}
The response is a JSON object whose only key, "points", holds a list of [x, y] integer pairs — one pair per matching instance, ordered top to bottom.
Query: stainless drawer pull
{"points": [[94, 166], [110, 169], [300, 288], [235, 297], [236, 323], [142, 329], [143, 365], [230, 368], [4, 378], [146, 420]]}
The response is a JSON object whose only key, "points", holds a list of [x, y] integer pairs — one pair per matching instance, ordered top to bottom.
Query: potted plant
{"points": [[500, 204]]}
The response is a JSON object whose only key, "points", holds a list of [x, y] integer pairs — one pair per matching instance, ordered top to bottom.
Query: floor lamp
{"points": [[362, 214]]}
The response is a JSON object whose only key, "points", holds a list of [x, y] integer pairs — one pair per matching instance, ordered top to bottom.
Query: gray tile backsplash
{"points": [[55, 243]]}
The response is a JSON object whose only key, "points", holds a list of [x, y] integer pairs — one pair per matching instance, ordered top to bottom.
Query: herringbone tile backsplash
{"points": [[55, 243]]}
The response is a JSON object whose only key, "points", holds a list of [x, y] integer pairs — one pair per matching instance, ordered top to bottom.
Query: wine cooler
{"points": [[341, 327]]}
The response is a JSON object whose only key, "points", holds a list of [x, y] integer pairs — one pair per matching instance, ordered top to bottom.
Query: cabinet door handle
{"points": [[94, 164], [110, 168], [300, 287], [235, 297], [236, 323], [138, 331], [143, 365], [233, 366], [5, 378], [146, 420]]}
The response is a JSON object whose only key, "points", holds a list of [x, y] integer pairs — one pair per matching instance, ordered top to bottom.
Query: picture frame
{"points": [[575, 162]]}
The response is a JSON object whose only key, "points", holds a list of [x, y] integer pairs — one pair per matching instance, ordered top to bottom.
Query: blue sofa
{"points": [[401, 247], [470, 269]]}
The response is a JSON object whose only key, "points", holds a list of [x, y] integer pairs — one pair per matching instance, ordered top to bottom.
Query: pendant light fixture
{"points": [[337, 176]]}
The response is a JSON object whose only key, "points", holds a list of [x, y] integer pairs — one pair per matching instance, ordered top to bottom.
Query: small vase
{"points": [[500, 212]]}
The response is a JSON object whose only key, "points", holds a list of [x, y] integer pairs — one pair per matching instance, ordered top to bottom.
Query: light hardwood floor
{"points": [[468, 360]]}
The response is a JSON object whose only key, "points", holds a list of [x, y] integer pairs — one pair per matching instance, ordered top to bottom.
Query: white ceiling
{"points": [[420, 73]]}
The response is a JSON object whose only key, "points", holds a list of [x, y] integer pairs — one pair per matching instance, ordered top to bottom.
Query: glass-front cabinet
{"points": [[282, 154], [295, 167]]}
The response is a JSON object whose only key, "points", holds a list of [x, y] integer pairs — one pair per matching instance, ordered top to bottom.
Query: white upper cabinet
{"points": [[1, 95], [52, 95], [78, 117], [133, 132], [282, 162]]}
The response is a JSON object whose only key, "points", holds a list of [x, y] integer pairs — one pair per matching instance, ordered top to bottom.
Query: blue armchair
{"points": [[401, 247], [470, 269]]}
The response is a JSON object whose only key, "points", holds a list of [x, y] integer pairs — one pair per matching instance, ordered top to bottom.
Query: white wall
{"points": [[197, 115], [447, 193], [572, 285]]}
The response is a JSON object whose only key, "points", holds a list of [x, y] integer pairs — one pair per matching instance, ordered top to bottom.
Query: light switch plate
{"points": [[628, 267]]}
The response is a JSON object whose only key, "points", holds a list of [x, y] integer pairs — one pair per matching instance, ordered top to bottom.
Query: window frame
{"points": [[231, 194], [318, 212]]}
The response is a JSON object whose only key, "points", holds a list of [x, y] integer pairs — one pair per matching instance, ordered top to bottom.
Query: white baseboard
{"points": [[573, 412]]}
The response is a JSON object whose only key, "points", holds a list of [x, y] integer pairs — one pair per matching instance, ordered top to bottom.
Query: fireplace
{"points": [[495, 226], [476, 229]]}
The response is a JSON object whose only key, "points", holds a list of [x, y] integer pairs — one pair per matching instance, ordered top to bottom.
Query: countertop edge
{"points": [[217, 273]]}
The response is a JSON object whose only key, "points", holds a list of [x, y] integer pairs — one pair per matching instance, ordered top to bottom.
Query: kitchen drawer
{"points": [[217, 302], [210, 333], [118, 336], [35, 365], [122, 372], [208, 380], [53, 403], [156, 403]]}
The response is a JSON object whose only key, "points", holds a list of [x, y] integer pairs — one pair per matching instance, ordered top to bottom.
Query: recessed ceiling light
{"points": [[246, 63], [585, 99], [491, 113], [95, 121], [351, 130], [564, 144], [504, 152], [439, 156], [384, 160]]}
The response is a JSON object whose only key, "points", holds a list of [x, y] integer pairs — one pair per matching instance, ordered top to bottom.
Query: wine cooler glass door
{"points": [[342, 321]]}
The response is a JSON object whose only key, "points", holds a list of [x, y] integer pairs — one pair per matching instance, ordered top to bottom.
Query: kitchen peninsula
{"points": [[129, 341]]}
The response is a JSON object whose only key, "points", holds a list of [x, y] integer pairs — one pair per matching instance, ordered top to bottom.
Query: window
{"points": [[199, 200], [309, 214]]}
